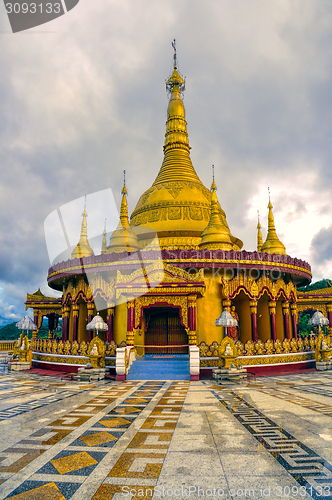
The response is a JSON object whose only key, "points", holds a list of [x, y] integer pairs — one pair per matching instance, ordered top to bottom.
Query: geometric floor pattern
{"points": [[270, 438]]}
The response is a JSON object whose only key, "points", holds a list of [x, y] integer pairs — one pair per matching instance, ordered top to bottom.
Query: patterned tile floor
{"points": [[156, 440]]}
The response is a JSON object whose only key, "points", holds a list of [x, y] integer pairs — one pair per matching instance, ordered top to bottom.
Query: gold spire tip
{"points": [[213, 185], [124, 189]]}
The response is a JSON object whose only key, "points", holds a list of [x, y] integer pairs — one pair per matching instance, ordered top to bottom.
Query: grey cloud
{"points": [[80, 105]]}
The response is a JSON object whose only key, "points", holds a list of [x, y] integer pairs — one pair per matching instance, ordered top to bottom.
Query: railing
{"points": [[7, 345], [68, 348], [258, 348]]}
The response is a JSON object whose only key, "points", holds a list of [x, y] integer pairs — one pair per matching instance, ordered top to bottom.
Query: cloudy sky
{"points": [[83, 98]]}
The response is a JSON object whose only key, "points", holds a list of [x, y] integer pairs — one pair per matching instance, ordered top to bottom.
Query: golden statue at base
{"points": [[21, 349], [96, 353], [227, 353]]}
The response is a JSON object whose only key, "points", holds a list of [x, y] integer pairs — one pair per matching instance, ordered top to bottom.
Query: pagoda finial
{"points": [[175, 82], [213, 185], [124, 189], [124, 205], [259, 234], [216, 235], [123, 239], [104, 242], [272, 243], [83, 248]]}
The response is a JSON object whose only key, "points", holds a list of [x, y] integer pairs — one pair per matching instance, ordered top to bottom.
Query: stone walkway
{"points": [[65, 440]]}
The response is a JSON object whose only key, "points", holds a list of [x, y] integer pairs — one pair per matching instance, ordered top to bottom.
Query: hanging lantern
{"points": [[226, 319], [318, 319], [26, 323], [97, 324]]}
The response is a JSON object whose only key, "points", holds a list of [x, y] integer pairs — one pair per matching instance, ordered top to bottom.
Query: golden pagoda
{"points": [[272, 243], [83, 248], [166, 300]]}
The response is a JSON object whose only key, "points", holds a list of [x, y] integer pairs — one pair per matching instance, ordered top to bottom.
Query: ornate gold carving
{"points": [[174, 213], [196, 213], [254, 289], [286, 345], [259, 347], [269, 347], [278, 347], [74, 348], [250, 348]]}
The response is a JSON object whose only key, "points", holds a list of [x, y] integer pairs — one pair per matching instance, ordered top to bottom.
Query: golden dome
{"points": [[177, 205], [216, 235], [123, 238], [272, 243], [83, 248]]}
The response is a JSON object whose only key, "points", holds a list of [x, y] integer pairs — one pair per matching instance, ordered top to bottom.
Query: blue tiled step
{"points": [[150, 367]]}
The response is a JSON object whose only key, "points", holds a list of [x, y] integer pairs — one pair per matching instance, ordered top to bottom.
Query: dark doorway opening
{"points": [[164, 332]]}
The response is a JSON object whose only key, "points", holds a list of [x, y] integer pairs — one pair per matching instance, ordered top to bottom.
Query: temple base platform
{"points": [[18, 365], [323, 365]]}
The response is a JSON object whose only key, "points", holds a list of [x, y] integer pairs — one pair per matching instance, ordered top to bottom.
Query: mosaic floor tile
{"points": [[124, 410], [115, 422], [98, 438], [146, 440], [73, 462], [145, 465], [37, 490], [46, 491], [134, 492]]}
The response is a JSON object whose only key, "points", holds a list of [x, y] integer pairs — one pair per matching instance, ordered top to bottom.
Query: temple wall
{"points": [[241, 303], [209, 308], [263, 319], [82, 322], [120, 323]]}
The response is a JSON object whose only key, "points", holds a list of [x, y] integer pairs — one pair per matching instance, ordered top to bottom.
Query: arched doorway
{"points": [[163, 328]]}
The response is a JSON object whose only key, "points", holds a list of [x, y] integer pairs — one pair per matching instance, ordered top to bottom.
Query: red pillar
{"points": [[75, 308], [272, 310], [285, 310], [253, 313], [294, 319], [130, 320], [65, 323], [192, 336]]}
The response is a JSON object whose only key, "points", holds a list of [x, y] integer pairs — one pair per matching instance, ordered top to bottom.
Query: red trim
{"points": [[161, 303], [60, 368], [262, 371], [120, 378], [194, 378]]}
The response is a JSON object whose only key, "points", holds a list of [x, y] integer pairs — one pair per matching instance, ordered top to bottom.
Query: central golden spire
{"points": [[177, 163], [177, 205]]}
